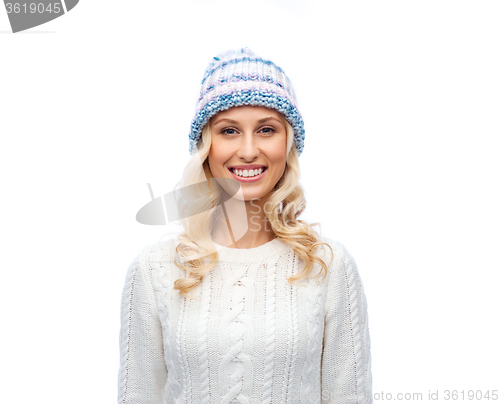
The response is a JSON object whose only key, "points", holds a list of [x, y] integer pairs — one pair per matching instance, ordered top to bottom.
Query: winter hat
{"points": [[236, 78]]}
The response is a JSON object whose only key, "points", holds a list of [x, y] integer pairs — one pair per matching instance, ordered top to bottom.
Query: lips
{"points": [[247, 167], [233, 169], [248, 179]]}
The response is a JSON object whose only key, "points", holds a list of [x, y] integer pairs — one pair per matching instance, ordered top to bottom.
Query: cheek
{"points": [[277, 153], [216, 160]]}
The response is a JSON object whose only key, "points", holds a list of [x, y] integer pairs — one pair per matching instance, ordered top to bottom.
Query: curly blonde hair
{"points": [[286, 205]]}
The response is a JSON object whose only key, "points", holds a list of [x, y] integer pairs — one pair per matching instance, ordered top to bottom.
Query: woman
{"points": [[259, 324]]}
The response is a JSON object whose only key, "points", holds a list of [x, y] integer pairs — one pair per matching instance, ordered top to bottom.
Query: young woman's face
{"points": [[249, 138]]}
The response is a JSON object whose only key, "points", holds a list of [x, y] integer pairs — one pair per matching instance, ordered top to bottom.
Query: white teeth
{"points": [[250, 173]]}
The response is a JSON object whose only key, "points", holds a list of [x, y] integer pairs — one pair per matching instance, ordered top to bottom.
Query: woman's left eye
{"points": [[267, 130]]}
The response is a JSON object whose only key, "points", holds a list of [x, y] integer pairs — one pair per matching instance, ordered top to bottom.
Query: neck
{"points": [[243, 224]]}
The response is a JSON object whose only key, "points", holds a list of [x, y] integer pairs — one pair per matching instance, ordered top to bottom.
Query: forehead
{"points": [[247, 112]]}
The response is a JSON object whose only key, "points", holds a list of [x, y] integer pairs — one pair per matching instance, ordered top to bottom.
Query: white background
{"points": [[401, 164]]}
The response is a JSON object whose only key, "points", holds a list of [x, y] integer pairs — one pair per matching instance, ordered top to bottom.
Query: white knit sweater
{"points": [[252, 338]]}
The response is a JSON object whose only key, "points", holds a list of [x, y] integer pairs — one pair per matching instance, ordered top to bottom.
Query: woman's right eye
{"points": [[228, 131]]}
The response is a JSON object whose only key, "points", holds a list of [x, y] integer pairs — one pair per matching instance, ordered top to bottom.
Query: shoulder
{"points": [[160, 251], [341, 254], [153, 259], [342, 268], [343, 283]]}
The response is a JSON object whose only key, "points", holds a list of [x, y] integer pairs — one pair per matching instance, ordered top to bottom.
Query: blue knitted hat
{"points": [[236, 78]]}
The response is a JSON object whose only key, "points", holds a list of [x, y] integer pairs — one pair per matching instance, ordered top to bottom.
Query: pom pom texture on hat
{"points": [[237, 78]]}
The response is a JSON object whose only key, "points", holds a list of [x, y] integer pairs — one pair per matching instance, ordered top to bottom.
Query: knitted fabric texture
{"points": [[237, 78], [251, 338]]}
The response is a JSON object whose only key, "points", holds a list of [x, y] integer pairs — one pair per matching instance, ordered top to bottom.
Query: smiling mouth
{"points": [[255, 173]]}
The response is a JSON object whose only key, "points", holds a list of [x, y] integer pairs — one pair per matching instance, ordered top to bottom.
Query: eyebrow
{"points": [[269, 118]]}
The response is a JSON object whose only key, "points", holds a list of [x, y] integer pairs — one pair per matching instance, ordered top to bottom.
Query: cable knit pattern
{"points": [[162, 278], [315, 324], [125, 331], [356, 333], [271, 334], [251, 338], [234, 339], [202, 342]]}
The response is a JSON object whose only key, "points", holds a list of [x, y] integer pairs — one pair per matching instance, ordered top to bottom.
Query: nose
{"points": [[249, 147]]}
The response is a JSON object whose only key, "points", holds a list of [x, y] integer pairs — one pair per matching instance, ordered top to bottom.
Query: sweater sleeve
{"points": [[346, 359], [143, 374]]}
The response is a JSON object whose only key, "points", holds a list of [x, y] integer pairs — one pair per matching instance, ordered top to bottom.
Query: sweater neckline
{"points": [[249, 255]]}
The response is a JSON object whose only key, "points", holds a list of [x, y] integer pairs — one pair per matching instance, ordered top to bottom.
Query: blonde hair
{"points": [[286, 205]]}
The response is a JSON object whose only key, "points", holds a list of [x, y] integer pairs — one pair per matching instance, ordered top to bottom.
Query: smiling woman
{"points": [[249, 145], [260, 324]]}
